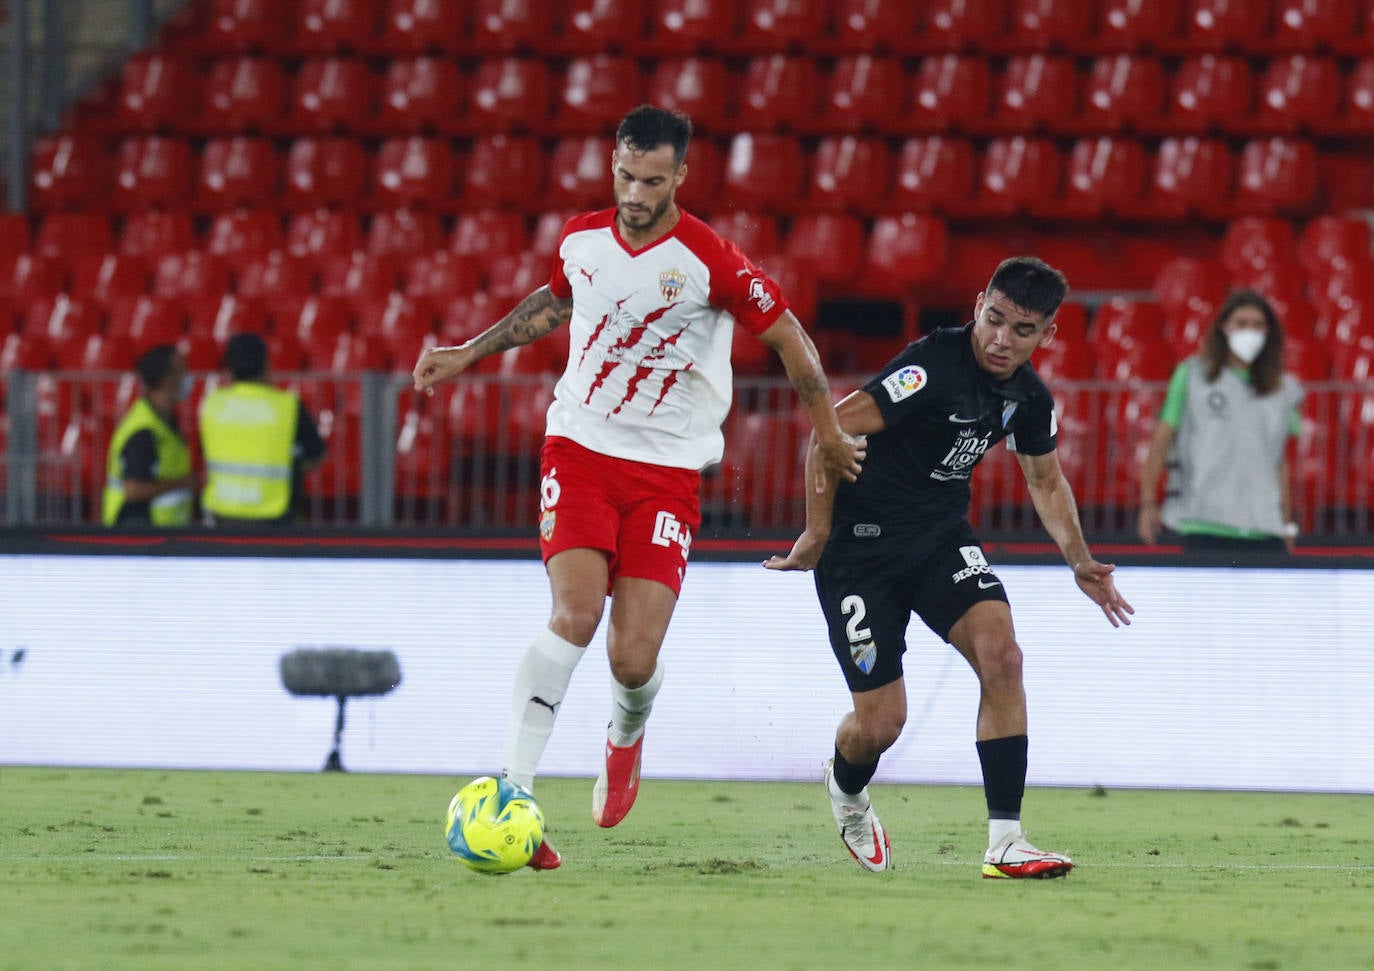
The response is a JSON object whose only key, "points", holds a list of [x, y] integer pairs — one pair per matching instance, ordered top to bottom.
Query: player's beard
{"points": [[648, 221]]}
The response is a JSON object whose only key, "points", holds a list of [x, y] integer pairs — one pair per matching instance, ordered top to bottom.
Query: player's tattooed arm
{"points": [[539, 314]]}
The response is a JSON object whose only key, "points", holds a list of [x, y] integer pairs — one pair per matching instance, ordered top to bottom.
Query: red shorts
{"points": [[642, 516]]}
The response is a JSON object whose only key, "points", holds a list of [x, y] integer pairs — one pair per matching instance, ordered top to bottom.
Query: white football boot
{"points": [[860, 829], [1014, 858]]}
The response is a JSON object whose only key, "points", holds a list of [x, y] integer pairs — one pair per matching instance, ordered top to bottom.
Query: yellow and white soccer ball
{"points": [[494, 826]]}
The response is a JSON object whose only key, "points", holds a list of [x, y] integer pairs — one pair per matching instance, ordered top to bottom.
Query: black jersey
{"points": [[942, 413]]}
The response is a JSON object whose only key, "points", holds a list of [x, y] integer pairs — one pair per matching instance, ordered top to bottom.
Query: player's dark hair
{"points": [[647, 127], [1031, 284], [245, 357], [154, 364], [1266, 371]]}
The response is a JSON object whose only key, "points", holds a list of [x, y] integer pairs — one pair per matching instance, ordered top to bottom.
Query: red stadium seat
{"points": [[963, 25], [1051, 25], [1217, 25], [240, 26], [332, 26], [507, 26], [601, 26], [775, 26], [869, 26], [1133, 26], [421, 27], [685, 27], [1360, 41], [699, 86], [949, 92], [1123, 92], [777, 93], [1035, 93], [1208, 93], [1297, 93], [158, 94], [242, 94], [330, 94], [421, 94], [509, 94], [595, 94], [859, 95], [414, 170], [505, 170], [68, 171], [153, 171], [325, 171], [763, 171], [238, 172], [579, 172], [849, 173], [934, 174], [1018, 176], [1105, 176], [1192, 176], [1276, 176], [700, 191], [154, 232], [322, 232], [243, 233], [404, 233], [548, 233], [756, 234], [483, 235], [65, 238], [1253, 241], [1333, 241], [829, 246], [903, 251], [179, 277], [356, 277], [514, 277], [28, 278], [109, 278], [434, 280], [277, 281], [1187, 282], [226, 315], [1121, 320], [146, 322], [64, 324], [399, 324], [317, 325], [25, 352], [354, 352], [1064, 359], [1135, 361]]}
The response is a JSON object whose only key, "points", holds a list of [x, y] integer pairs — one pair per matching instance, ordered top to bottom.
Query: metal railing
{"points": [[467, 458]]}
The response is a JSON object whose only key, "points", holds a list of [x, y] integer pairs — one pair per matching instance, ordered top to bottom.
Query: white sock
{"points": [[541, 681], [630, 708], [1001, 829]]}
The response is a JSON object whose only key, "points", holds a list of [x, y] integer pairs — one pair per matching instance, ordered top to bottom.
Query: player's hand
{"points": [[439, 364], [842, 457], [1147, 524], [806, 552], [1095, 579]]}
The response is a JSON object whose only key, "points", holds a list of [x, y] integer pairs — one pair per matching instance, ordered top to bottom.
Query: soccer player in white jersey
{"points": [[651, 296]]}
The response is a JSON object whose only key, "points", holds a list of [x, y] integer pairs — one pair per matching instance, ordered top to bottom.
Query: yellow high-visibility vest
{"points": [[248, 435], [172, 508]]}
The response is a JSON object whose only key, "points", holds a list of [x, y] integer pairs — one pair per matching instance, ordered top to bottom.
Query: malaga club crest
{"points": [[670, 284]]}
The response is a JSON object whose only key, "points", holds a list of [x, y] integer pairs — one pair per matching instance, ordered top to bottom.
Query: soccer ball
{"points": [[494, 826]]}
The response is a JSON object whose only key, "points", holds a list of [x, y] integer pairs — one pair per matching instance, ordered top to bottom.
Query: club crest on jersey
{"points": [[670, 284], [905, 382], [546, 523], [864, 655]]}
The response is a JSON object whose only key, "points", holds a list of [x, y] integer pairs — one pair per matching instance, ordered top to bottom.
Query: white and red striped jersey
{"points": [[648, 375]]}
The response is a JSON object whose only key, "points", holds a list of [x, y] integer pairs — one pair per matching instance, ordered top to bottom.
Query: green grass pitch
{"points": [[156, 869]]}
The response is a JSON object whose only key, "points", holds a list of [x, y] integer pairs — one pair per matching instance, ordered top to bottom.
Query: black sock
{"points": [[1004, 775], [852, 778]]}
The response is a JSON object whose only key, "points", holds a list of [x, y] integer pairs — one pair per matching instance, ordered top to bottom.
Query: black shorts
{"points": [[868, 592]]}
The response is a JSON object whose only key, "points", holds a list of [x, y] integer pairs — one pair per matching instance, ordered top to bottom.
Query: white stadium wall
{"points": [[1255, 679]]}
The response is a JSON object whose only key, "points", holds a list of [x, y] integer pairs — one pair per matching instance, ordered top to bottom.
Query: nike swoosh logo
{"points": [[959, 419], [985, 585], [877, 858]]}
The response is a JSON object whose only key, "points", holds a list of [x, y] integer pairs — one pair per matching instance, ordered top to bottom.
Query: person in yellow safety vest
{"points": [[257, 441], [148, 477]]}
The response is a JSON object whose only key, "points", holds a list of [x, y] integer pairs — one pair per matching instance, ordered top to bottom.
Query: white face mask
{"points": [[1247, 343]]}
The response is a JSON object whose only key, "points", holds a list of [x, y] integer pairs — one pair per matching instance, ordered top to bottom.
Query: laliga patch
{"points": [[905, 382], [546, 523], [865, 655]]}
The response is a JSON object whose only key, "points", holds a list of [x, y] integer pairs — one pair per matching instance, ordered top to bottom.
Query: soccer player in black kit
{"points": [[898, 541]]}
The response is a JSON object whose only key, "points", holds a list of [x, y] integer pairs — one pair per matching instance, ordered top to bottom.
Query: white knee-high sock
{"points": [[541, 681], [630, 708]]}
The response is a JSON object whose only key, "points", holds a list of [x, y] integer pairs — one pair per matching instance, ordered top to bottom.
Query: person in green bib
{"points": [[1222, 433], [257, 440], [148, 477]]}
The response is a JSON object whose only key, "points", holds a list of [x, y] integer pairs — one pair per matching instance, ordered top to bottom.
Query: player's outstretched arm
{"points": [[537, 315], [840, 454], [1054, 501]]}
